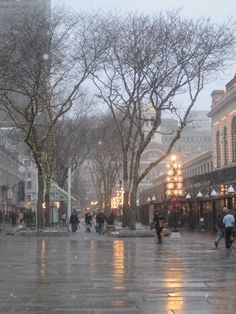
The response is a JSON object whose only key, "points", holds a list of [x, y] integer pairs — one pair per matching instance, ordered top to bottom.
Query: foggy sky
{"points": [[217, 10]]}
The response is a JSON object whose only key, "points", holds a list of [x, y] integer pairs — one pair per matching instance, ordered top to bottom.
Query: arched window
{"points": [[234, 138], [226, 146], [218, 149]]}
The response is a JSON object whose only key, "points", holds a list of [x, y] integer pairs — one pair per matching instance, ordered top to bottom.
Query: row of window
{"points": [[191, 139], [226, 145], [201, 169]]}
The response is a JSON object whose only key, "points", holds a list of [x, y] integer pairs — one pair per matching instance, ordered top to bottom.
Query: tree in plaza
{"points": [[44, 60], [150, 62], [72, 139], [104, 160]]}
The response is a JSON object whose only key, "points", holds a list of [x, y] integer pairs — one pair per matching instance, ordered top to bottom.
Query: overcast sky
{"points": [[217, 10]]}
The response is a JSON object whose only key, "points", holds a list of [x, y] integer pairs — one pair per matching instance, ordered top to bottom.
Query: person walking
{"points": [[63, 218], [100, 220], [74, 221], [88, 222], [229, 222], [159, 223], [220, 226]]}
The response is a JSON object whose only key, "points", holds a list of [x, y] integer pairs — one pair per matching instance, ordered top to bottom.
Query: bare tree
{"points": [[44, 60], [150, 62], [73, 136], [105, 160]]}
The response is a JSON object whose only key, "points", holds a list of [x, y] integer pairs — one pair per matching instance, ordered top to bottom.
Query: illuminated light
{"points": [[232, 112], [223, 118], [216, 123], [173, 157], [175, 166], [170, 172], [179, 172], [170, 185], [180, 185], [180, 192], [56, 204]]}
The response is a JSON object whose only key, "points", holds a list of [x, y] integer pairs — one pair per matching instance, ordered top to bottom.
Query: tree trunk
{"points": [[47, 203], [133, 206], [40, 210]]}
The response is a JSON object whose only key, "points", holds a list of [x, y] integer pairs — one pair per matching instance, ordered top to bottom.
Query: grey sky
{"points": [[217, 10]]}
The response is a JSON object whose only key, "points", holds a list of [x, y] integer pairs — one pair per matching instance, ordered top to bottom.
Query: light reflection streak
{"points": [[43, 258], [118, 263], [174, 282]]}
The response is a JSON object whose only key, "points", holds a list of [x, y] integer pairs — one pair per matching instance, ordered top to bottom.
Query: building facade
{"points": [[223, 117], [209, 179], [12, 185]]}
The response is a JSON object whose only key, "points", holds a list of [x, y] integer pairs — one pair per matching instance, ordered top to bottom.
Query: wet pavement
{"points": [[90, 274]]}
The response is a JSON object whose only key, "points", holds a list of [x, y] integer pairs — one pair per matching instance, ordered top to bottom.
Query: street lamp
{"points": [[174, 186], [231, 190], [213, 192], [188, 198], [151, 200], [200, 213]]}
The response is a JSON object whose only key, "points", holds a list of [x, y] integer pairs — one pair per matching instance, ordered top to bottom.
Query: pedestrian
{"points": [[21, 218], [63, 218], [100, 220], [74, 221], [88, 221], [229, 222], [159, 224], [220, 226]]}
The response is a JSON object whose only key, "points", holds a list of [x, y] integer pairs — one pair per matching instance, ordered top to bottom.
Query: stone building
{"points": [[223, 117], [209, 179], [12, 183]]}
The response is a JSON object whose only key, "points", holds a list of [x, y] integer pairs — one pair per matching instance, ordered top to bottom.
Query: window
{"points": [[234, 138], [218, 149], [226, 153], [27, 162], [28, 174], [29, 185], [21, 191]]}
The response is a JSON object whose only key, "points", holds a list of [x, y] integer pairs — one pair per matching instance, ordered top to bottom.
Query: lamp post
{"points": [[174, 187], [230, 191], [151, 200], [189, 200], [213, 204], [200, 213]]}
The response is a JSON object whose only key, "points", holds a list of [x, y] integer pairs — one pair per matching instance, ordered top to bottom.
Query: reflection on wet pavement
{"points": [[97, 275]]}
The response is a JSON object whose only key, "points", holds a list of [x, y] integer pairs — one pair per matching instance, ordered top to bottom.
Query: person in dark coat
{"points": [[159, 220], [74, 221], [88, 221], [100, 221], [220, 226]]}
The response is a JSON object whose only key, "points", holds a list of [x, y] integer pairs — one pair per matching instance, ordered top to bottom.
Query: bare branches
{"points": [[149, 62]]}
